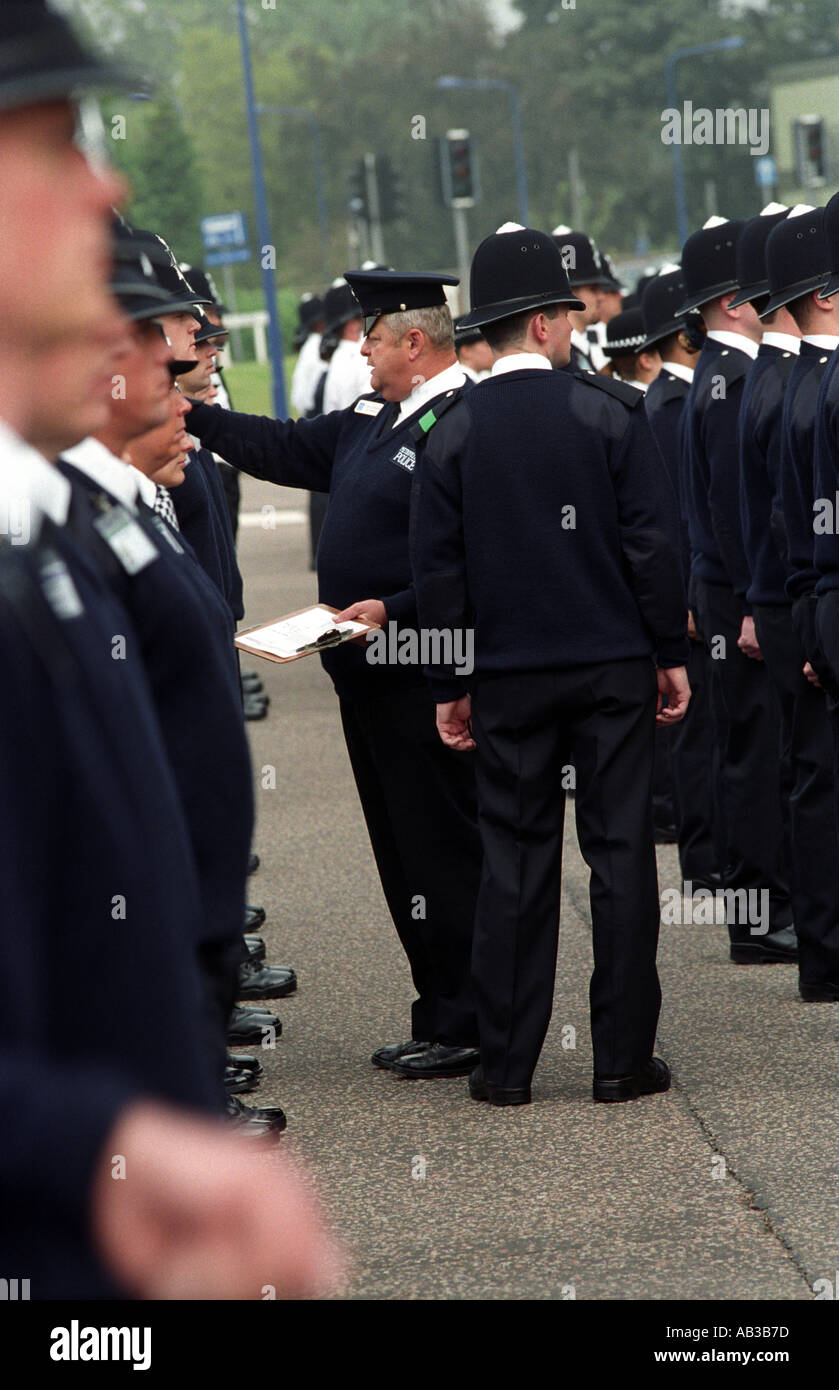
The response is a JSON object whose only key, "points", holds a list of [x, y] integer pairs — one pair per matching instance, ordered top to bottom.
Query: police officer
{"points": [[587, 279], [473, 352], [627, 357], [307, 369], [569, 577], [746, 719], [694, 766], [417, 797], [99, 894]]}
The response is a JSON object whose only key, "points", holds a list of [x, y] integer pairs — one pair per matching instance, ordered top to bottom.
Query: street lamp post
{"points": [[497, 84], [317, 152], [679, 193], [275, 337]]}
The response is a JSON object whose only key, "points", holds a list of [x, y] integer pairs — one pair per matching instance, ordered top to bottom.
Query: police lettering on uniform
{"points": [[569, 577]]}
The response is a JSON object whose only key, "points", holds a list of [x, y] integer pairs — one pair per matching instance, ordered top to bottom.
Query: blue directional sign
{"points": [[766, 172], [225, 238]]}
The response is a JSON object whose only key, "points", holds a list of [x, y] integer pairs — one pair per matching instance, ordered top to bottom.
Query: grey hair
{"points": [[436, 323]]}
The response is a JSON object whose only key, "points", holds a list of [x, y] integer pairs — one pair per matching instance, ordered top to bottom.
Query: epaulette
{"points": [[732, 365], [670, 388], [630, 395], [429, 418]]}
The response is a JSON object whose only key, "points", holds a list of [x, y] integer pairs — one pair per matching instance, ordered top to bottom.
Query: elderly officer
{"points": [[569, 576], [418, 798]]}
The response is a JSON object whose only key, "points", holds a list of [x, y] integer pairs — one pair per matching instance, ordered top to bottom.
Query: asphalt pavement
{"points": [[724, 1188]]}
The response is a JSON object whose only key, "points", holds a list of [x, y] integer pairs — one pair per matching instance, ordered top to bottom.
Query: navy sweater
{"points": [[665, 402], [761, 436], [798, 444], [712, 467], [366, 468], [505, 473], [826, 476], [202, 513], [97, 1009]]}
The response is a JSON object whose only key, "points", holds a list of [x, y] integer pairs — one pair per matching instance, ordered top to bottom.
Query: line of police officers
{"points": [[596, 533]]}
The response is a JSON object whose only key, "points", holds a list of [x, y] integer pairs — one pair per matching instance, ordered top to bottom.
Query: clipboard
{"points": [[247, 640]]}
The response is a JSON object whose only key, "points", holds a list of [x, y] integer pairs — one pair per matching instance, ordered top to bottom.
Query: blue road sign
{"points": [[766, 172], [223, 230], [231, 257]]}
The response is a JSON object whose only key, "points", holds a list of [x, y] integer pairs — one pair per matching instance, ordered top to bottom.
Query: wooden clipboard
{"points": [[241, 638]]}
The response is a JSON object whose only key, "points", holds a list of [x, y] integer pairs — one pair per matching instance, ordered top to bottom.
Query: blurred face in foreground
{"points": [[161, 453]]}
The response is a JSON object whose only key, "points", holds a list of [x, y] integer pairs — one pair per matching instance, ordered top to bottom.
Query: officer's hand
{"points": [[367, 610], [692, 632], [747, 641], [811, 675], [672, 682], [454, 723], [203, 1214]]}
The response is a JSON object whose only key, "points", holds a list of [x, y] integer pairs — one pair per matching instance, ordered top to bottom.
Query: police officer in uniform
{"points": [[587, 279], [473, 352], [570, 579], [745, 713], [694, 762], [418, 798]]}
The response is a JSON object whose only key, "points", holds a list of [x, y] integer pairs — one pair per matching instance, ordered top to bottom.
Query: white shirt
{"points": [[734, 340], [822, 340], [580, 341], [785, 341], [519, 361], [677, 369], [472, 374], [306, 375], [347, 376], [447, 380], [639, 385], [118, 478], [30, 489]]}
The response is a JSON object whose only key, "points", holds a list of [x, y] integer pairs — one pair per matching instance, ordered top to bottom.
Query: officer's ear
{"points": [[416, 341]]}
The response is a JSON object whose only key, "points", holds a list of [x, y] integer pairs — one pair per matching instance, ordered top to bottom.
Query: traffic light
{"points": [[810, 151], [459, 169], [389, 183], [358, 204]]}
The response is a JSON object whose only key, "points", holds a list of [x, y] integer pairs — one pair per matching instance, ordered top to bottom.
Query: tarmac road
{"points": [[724, 1188]]}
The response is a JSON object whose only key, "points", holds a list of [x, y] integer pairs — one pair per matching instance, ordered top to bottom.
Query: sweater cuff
{"points": [[400, 606], [673, 653], [444, 691]]}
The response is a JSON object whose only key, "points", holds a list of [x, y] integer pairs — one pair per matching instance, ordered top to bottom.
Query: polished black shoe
{"points": [[251, 683], [253, 707], [665, 834], [253, 862], [711, 882], [254, 917], [255, 947], [775, 947], [265, 981], [825, 993], [250, 1026], [386, 1056], [244, 1061], [435, 1061], [653, 1077], [238, 1082], [481, 1089], [270, 1119]]}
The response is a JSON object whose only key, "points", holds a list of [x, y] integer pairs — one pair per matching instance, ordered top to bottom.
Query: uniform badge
{"points": [[368, 407], [406, 458], [167, 533], [126, 539], [58, 587]]}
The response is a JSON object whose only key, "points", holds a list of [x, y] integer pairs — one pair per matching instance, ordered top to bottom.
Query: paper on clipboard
{"points": [[298, 634]]}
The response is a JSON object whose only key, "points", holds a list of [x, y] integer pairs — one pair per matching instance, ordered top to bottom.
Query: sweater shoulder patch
{"points": [[629, 395]]}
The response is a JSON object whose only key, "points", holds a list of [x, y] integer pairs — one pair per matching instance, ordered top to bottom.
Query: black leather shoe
{"points": [[251, 683], [253, 707], [665, 835], [253, 862], [712, 882], [254, 917], [775, 946], [255, 947], [265, 981], [826, 993], [250, 1025], [386, 1056], [436, 1060], [244, 1061], [653, 1077], [238, 1082], [481, 1089], [270, 1119]]}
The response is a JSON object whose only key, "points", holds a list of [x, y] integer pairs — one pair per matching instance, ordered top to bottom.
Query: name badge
{"points": [[369, 407], [406, 458], [167, 533], [128, 541], [58, 588]]}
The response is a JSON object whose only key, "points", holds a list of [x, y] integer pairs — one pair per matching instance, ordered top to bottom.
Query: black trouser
{"points": [[528, 727], [692, 762], [419, 802], [664, 809], [814, 844], [756, 858], [218, 966]]}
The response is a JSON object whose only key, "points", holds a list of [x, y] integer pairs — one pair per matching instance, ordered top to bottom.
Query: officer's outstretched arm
{"points": [[294, 453]]}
